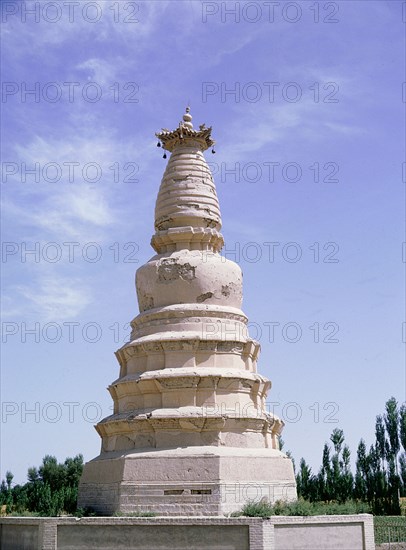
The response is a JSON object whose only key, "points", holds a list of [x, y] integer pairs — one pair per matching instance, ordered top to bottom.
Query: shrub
{"points": [[301, 507]]}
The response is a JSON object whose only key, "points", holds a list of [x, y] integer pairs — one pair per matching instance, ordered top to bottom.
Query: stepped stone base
{"points": [[207, 481]]}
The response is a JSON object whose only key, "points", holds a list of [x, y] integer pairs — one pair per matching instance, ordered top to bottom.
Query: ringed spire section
{"points": [[187, 205]]}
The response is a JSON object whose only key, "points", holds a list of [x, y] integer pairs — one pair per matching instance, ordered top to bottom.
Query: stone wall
{"points": [[189, 533], [15, 536]]}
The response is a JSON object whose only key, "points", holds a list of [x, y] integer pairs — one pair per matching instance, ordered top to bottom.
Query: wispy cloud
{"points": [[106, 21], [98, 70], [257, 125], [345, 129], [74, 205], [68, 206], [74, 213], [50, 298]]}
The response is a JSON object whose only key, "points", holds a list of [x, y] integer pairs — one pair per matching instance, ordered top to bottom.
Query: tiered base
{"points": [[207, 481]]}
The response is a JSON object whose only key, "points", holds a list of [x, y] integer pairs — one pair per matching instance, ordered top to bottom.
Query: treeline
{"points": [[380, 476], [379, 480], [51, 489]]}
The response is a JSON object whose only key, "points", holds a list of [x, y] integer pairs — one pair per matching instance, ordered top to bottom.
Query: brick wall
{"points": [[193, 533]]}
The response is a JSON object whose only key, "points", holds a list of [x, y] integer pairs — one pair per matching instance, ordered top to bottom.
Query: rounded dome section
{"points": [[187, 195], [189, 277]]}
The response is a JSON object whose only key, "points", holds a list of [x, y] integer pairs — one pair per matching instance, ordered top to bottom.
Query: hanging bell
{"points": [[158, 144], [213, 151], [164, 157]]}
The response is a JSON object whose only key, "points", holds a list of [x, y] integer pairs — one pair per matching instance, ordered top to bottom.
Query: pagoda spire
{"points": [[186, 134], [187, 212]]}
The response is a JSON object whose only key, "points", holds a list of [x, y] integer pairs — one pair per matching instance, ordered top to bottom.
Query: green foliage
{"points": [[391, 419], [402, 428], [337, 438], [402, 467], [33, 475], [380, 477], [9, 479], [305, 481], [51, 489], [20, 499], [302, 507], [254, 509], [25, 513]]}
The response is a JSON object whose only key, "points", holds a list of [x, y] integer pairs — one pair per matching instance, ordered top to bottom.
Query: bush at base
{"points": [[302, 507]]}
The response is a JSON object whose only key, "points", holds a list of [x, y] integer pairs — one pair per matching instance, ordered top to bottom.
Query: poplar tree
{"points": [[361, 475]]}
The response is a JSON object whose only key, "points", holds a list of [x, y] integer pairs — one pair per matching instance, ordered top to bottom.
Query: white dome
{"points": [[189, 277]]}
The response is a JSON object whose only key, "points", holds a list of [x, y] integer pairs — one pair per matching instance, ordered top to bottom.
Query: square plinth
{"points": [[206, 481]]}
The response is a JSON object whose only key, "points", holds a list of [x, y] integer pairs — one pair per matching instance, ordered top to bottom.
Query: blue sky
{"points": [[305, 100]]}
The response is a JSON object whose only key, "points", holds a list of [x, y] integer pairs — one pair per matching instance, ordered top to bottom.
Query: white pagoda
{"points": [[190, 433]]}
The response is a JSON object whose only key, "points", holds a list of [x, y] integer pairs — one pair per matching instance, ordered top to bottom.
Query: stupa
{"points": [[190, 433]]}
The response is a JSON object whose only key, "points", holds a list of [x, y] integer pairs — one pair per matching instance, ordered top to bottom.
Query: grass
{"points": [[301, 507], [22, 513]]}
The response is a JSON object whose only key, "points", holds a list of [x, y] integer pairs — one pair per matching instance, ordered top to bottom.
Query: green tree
{"points": [[392, 426], [402, 427], [380, 437], [337, 439], [402, 458], [73, 470], [402, 472], [52, 473], [33, 475], [361, 475], [341, 476], [324, 478], [9, 479], [347, 479], [305, 481], [50, 489], [3, 492], [20, 498], [393, 503]]}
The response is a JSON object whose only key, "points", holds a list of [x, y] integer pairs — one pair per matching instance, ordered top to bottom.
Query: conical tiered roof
{"points": [[187, 208]]}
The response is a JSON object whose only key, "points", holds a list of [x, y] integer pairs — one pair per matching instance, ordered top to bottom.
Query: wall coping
{"points": [[187, 520]]}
